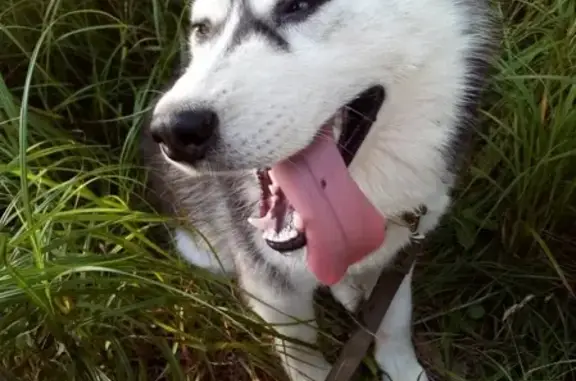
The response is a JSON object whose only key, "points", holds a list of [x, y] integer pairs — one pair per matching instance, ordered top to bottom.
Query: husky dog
{"points": [[242, 145]]}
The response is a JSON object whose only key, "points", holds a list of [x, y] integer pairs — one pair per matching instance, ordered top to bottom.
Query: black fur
{"points": [[291, 11], [250, 24], [477, 65]]}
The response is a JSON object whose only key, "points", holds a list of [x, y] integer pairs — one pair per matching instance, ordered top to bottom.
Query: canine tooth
{"points": [[273, 188], [273, 201], [265, 223]]}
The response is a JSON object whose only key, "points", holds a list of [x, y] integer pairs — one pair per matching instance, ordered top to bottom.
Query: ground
{"points": [[88, 293]]}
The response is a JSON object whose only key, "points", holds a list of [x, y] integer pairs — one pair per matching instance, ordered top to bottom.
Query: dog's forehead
{"points": [[261, 7], [220, 9]]}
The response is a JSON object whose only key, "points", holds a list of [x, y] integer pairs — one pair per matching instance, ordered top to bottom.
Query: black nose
{"points": [[185, 135]]}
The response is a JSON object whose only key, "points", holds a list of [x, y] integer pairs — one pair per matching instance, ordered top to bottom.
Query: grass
{"points": [[87, 294]]}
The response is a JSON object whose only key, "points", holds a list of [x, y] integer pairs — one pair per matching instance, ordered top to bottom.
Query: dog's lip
{"points": [[361, 114], [164, 148], [166, 151], [172, 154], [179, 155]]}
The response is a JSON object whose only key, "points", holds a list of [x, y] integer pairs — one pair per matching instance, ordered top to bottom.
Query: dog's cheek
{"points": [[264, 126], [259, 147]]}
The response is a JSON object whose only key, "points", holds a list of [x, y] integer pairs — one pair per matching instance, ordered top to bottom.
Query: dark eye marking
{"points": [[293, 11]]}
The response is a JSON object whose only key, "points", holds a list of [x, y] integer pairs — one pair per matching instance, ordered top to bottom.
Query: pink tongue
{"points": [[340, 223]]}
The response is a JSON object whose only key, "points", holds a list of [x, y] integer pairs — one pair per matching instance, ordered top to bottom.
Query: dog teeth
{"points": [[273, 188], [280, 222], [265, 223], [291, 228], [284, 235]]}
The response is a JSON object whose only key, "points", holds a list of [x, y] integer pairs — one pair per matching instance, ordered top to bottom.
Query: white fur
{"points": [[270, 104], [200, 255], [284, 312], [394, 351]]}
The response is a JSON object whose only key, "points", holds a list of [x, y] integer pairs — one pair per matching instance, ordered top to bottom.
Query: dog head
{"points": [[266, 75]]}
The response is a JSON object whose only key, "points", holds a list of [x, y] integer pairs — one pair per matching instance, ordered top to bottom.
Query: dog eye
{"points": [[296, 7], [298, 10], [201, 30]]}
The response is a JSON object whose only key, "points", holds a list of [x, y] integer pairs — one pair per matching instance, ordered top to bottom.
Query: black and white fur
{"points": [[273, 80]]}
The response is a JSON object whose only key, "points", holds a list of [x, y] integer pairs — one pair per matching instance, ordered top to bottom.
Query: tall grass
{"points": [[88, 293]]}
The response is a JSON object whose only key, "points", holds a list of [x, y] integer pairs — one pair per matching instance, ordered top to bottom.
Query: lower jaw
{"points": [[281, 226], [286, 240]]}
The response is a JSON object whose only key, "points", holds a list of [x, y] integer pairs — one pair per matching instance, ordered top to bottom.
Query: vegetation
{"points": [[86, 293]]}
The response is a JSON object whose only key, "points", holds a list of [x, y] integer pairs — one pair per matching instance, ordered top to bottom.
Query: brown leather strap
{"points": [[371, 314]]}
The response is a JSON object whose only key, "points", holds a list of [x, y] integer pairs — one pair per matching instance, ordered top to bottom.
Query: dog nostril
{"points": [[194, 127], [186, 135]]}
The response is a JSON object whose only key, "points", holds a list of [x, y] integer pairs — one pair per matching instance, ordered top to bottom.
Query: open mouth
{"points": [[281, 224]]}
